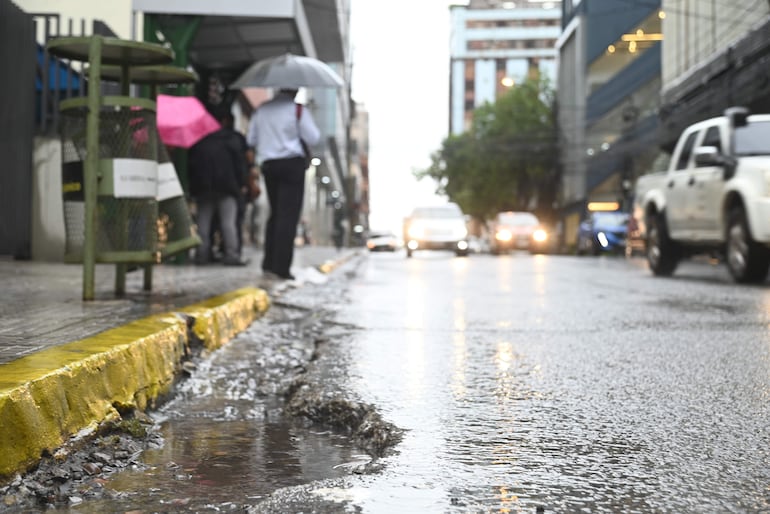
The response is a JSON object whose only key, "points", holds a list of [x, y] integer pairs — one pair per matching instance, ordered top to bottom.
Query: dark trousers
{"points": [[285, 181], [239, 217]]}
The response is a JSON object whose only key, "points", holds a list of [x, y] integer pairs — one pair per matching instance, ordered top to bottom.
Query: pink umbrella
{"points": [[183, 120]]}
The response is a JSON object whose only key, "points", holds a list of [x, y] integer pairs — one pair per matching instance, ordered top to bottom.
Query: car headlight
{"points": [[416, 232], [503, 235], [540, 235], [602, 238]]}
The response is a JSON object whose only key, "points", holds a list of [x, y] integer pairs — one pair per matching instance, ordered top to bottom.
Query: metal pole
{"points": [[44, 81], [91, 165], [121, 267], [147, 285]]}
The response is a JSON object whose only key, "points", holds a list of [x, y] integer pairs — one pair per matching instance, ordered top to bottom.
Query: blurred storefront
{"points": [[218, 41], [608, 100]]}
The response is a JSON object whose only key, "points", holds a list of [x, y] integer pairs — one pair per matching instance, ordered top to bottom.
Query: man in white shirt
{"points": [[277, 131]]}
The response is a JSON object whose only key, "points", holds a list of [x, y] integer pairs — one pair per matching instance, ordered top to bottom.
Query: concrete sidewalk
{"points": [[66, 364]]}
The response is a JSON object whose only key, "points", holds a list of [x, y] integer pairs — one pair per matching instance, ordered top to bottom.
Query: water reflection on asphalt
{"points": [[526, 382], [521, 383], [239, 462]]}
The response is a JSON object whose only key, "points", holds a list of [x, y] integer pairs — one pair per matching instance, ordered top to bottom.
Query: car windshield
{"points": [[753, 139], [437, 212], [610, 218], [517, 219]]}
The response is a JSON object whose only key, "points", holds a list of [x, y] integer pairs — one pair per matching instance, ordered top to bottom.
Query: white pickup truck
{"points": [[714, 198]]}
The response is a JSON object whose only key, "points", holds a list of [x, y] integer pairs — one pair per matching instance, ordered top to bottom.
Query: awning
{"points": [[232, 34]]}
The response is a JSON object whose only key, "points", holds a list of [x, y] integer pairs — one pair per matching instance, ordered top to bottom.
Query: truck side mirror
{"points": [[710, 156]]}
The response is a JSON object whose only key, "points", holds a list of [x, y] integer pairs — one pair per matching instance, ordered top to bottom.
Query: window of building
{"points": [[532, 22], [510, 44], [624, 51]]}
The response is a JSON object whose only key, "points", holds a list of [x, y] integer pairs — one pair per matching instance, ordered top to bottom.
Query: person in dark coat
{"points": [[227, 120], [217, 173]]}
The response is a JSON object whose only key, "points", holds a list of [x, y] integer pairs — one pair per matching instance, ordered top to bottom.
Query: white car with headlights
{"points": [[436, 228]]}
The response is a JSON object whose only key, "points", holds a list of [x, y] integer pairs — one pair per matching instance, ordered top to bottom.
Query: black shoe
{"points": [[287, 276]]}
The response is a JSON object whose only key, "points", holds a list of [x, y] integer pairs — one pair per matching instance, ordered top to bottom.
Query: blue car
{"points": [[602, 232]]}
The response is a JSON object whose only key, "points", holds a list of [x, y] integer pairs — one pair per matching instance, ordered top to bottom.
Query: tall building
{"points": [[493, 45], [716, 55], [608, 98], [359, 167]]}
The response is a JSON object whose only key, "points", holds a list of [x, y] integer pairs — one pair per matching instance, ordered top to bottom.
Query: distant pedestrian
{"points": [[227, 120], [279, 130], [217, 172], [307, 240]]}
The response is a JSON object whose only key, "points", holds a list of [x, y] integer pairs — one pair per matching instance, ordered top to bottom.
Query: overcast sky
{"points": [[401, 75]]}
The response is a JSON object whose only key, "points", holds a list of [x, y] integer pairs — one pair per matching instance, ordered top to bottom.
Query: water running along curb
{"points": [[47, 397]]}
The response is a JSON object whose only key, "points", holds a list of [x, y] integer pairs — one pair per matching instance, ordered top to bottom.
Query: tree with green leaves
{"points": [[507, 160]]}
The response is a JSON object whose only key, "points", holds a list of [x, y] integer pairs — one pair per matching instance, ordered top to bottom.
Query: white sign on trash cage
{"points": [[134, 178], [142, 178], [168, 182]]}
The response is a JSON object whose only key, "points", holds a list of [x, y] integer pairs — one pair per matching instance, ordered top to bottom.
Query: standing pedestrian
{"points": [[227, 120], [279, 130], [217, 173]]}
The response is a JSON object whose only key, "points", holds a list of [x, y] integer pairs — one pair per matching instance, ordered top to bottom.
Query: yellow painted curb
{"points": [[218, 319], [49, 396]]}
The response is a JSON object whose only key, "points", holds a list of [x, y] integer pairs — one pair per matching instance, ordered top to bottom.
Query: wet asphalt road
{"points": [[562, 383], [522, 384]]}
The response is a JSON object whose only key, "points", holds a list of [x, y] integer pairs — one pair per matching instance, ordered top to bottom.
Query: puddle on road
{"points": [[227, 443], [206, 462], [208, 465]]}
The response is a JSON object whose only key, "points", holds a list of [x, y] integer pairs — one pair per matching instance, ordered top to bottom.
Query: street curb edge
{"points": [[52, 395]]}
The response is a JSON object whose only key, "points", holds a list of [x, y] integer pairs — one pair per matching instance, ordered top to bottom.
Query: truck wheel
{"points": [[662, 253], [747, 261]]}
